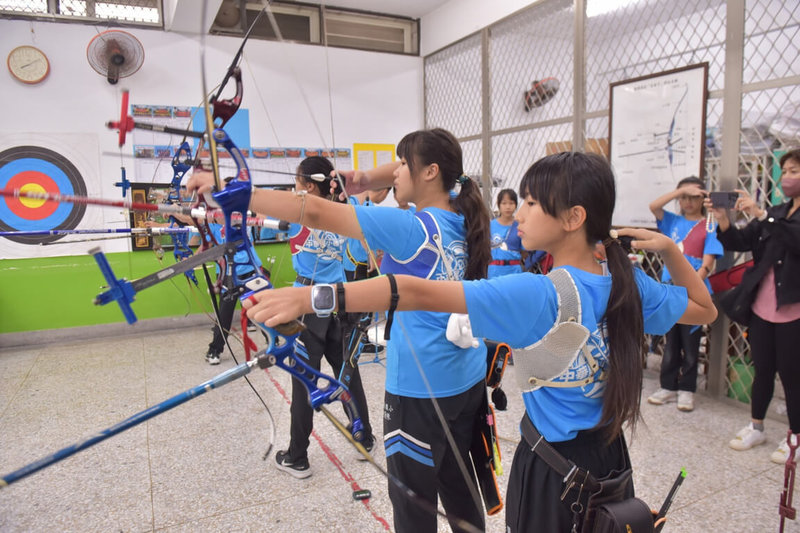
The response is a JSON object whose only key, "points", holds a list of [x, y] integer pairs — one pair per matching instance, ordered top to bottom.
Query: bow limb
{"points": [[225, 109], [180, 243]]}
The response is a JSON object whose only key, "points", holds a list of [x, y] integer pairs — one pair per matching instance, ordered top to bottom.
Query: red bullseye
{"points": [[31, 209]]}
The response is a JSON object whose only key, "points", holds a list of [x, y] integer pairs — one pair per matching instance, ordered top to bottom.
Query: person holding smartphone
{"points": [[771, 291]]}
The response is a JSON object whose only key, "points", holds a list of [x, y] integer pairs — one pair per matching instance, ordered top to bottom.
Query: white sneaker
{"points": [[662, 396], [685, 400], [747, 437], [781, 455]]}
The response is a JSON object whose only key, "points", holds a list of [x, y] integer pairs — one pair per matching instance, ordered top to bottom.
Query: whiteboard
{"points": [[656, 137]]}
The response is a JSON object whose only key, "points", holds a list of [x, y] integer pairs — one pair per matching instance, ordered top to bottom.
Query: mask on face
{"points": [[791, 187]]}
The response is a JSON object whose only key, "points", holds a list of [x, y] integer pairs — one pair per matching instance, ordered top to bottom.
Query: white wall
{"points": [[458, 18], [375, 97]]}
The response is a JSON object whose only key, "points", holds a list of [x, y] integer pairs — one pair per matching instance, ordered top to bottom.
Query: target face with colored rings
{"points": [[37, 169]]}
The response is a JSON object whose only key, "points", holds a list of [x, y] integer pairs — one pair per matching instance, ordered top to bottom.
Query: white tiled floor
{"points": [[199, 467]]}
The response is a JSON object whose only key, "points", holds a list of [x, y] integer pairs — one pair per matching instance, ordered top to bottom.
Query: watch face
{"points": [[323, 298]]}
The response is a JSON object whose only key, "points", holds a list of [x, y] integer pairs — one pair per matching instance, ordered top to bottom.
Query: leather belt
{"points": [[304, 280]]}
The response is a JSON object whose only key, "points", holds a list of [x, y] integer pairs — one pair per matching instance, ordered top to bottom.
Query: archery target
{"points": [[35, 168]]}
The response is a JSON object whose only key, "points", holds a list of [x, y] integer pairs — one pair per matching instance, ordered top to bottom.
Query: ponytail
{"points": [[469, 203], [625, 338]]}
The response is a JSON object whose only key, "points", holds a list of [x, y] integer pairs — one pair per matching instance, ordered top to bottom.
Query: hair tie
{"points": [[462, 179], [613, 237]]}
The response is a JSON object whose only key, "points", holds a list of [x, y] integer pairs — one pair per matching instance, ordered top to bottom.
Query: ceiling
{"points": [[406, 8]]}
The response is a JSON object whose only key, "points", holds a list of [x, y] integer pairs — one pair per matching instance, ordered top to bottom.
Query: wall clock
{"points": [[28, 64]]}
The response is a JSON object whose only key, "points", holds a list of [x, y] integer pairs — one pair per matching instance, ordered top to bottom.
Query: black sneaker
{"points": [[372, 348], [212, 357], [368, 444], [299, 469]]}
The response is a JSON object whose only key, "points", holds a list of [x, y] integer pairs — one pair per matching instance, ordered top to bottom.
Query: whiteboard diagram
{"points": [[657, 134]]}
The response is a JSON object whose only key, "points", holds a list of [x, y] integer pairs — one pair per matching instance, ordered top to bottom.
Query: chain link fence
{"points": [[477, 89]]}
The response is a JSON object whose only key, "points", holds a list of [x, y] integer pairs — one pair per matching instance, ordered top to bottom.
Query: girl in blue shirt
{"points": [[568, 205], [506, 246], [701, 248], [317, 258], [430, 381]]}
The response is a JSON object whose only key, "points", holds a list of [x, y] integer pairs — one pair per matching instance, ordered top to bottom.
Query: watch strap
{"points": [[340, 297], [392, 305]]}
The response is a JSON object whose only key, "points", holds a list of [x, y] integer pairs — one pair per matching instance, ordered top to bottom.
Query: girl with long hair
{"points": [[568, 201], [317, 258]]}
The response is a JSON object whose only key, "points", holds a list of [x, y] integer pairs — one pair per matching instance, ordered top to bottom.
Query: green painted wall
{"points": [[58, 292]]}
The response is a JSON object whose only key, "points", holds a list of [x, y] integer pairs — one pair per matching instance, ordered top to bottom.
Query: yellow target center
{"points": [[32, 203]]}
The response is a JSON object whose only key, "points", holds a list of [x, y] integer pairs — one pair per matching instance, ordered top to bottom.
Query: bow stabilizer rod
{"points": [[134, 231], [124, 292]]}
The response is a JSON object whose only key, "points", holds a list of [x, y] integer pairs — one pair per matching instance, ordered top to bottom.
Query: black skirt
{"points": [[533, 498]]}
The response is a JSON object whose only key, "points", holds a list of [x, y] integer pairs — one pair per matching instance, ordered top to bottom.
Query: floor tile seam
{"points": [[20, 386], [148, 443], [715, 493], [275, 502]]}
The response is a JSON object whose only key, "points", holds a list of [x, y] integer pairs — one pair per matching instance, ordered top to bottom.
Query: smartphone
{"points": [[723, 200]]}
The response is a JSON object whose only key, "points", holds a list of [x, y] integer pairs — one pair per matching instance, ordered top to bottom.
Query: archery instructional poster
{"points": [[656, 137], [370, 155], [51, 163], [269, 165], [273, 165]]}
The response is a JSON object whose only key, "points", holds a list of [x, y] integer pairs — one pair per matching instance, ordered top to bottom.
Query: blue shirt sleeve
{"points": [[667, 222], [395, 231], [662, 305], [518, 308], [522, 308]]}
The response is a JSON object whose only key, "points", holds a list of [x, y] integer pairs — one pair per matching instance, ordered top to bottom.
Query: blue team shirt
{"points": [[677, 228], [508, 235], [322, 262], [450, 370], [560, 413]]}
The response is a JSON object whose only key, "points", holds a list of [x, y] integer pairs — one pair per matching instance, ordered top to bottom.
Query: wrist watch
{"points": [[323, 299]]}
